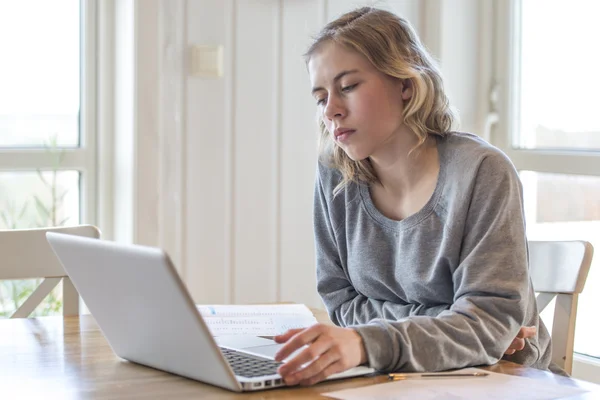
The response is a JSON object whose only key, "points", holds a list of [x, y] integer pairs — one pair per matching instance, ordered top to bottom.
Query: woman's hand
{"points": [[518, 343], [330, 349]]}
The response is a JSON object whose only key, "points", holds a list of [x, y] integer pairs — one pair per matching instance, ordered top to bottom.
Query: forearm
{"points": [[361, 310], [467, 335]]}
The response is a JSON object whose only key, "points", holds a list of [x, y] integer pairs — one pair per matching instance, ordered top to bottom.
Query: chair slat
{"points": [[26, 254], [563, 265], [559, 269], [36, 298], [70, 298], [543, 299]]}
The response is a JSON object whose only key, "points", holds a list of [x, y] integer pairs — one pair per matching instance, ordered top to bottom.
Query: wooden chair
{"points": [[25, 254], [559, 269]]}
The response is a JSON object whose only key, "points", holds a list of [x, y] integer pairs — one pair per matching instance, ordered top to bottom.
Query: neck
{"points": [[397, 170]]}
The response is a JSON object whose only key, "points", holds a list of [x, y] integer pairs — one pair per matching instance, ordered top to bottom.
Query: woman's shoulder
{"points": [[469, 145], [466, 152], [329, 176], [329, 179]]}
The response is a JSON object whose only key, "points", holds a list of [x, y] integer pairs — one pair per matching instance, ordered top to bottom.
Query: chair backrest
{"points": [[26, 254], [559, 269]]}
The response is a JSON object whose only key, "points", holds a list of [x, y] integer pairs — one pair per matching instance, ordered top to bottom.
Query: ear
{"points": [[407, 89]]}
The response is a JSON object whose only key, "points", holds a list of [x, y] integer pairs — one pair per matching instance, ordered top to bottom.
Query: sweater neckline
{"points": [[424, 212]]}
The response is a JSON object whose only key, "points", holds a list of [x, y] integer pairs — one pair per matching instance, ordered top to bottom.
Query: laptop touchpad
{"points": [[242, 342], [254, 345], [269, 351]]}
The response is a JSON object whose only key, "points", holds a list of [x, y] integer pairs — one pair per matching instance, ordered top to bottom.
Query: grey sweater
{"points": [[447, 287]]}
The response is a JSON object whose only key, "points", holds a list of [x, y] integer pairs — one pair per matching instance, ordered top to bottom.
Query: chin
{"points": [[356, 155]]}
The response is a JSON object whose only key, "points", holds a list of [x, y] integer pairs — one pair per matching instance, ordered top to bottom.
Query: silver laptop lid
{"points": [[132, 291]]}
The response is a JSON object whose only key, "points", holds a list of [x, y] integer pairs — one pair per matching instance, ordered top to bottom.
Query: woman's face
{"points": [[361, 107]]}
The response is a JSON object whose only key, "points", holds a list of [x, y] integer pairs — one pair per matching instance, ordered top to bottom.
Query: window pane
{"points": [[39, 73], [559, 83], [30, 199], [567, 207]]}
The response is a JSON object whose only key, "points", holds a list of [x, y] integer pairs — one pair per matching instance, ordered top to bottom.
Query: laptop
{"points": [[148, 317]]}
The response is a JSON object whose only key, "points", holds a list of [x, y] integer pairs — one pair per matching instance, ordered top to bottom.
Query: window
{"points": [[47, 115], [549, 127]]}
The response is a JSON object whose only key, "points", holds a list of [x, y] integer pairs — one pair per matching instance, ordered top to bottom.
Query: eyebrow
{"points": [[335, 79]]}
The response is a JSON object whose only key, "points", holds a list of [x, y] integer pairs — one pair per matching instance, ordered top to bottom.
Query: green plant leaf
{"points": [[52, 141], [60, 158], [41, 176], [60, 198], [41, 207], [23, 209], [4, 216], [61, 223], [14, 294], [2, 302]]}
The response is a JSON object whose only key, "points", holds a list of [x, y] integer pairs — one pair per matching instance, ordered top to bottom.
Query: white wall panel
{"points": [[460, 59], [256, 110], [172, 135], [298, 154], [209, 159]]}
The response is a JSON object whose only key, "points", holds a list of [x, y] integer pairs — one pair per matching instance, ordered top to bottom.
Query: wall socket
{"points": [[206, 61]]}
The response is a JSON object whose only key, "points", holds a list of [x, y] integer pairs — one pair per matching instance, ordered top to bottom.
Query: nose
{"points": [[334, 108]]}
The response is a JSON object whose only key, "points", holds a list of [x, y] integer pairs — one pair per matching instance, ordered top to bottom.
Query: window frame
{"points": [[506, 22], [82, 158], [575, 162]]}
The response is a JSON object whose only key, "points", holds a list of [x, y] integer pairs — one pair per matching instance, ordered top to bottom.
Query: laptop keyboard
{"points": [[248, 366]]}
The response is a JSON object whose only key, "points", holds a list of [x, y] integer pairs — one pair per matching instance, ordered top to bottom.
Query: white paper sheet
{"points": [[255, 320], [492, 387]]}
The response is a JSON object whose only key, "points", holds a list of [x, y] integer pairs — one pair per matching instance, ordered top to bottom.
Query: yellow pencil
{"points": [[398, 376]]}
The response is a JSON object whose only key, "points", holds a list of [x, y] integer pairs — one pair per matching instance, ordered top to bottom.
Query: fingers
{"points": [[527, 332], [287, 335], [297, 340], [517, 344], [327, 350], [313, 352], [333, 368], [314, 372]]}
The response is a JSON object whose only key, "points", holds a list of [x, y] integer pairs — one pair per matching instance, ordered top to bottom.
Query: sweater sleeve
{"points": [[491, 285], [344, 304]]}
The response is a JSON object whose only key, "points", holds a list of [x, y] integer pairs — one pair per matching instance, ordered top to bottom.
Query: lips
{"points": [[342, 133]]}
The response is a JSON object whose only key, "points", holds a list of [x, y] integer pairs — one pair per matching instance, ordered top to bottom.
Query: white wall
{"points": [[236, 155]]}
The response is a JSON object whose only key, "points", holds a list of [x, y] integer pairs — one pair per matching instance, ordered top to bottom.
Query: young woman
{"points": [[420, 232]]}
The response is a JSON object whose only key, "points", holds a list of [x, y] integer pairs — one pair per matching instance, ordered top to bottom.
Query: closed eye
{"points": [[347, 89]]}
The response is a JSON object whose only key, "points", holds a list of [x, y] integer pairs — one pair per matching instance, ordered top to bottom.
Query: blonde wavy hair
{"points": [[390, 43]]}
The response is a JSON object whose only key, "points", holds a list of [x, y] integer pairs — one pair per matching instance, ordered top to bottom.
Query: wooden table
{"points": [[68, 358]]}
